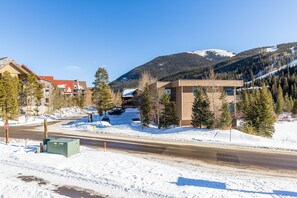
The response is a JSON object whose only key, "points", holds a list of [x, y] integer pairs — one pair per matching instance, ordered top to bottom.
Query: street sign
{"points": [[6, 125]]}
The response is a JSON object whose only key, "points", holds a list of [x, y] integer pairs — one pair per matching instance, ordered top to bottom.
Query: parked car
{"points": [[115, 112], [106, 119], [136, 121]]}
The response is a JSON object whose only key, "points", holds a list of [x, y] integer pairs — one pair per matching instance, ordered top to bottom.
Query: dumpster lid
{"points": [[63, 140]]}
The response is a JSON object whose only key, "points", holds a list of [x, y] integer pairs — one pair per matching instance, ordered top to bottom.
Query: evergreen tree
{"points": [[101, 77], [9, 91], [102, 94], [38, 95], [56, 99], [80, 100], [105, 100], [280, 101], [288, 105], [146, 106], [294, 110], [168, 113], [173, 114], [201, 114], [208, 116], [267, 116], [225, 118], [197, 119]]}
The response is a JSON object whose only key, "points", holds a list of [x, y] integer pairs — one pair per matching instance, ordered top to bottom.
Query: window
{"points": [[195, 89], [168, 91], [229, 91], [171, 92], [46, 100], [231, 107]]}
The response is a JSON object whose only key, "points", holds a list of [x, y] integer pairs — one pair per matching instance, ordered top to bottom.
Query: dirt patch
{"points": [[38, 180], [77, 192]]}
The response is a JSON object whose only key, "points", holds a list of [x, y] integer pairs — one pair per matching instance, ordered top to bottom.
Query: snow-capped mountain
{"points": [[214, 54]]}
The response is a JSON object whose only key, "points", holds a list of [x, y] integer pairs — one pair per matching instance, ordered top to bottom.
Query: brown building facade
{"points": [[182, 92]]}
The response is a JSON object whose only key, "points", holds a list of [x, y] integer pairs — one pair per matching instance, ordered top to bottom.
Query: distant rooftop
{"points": [[5, 61], [128, 93]]}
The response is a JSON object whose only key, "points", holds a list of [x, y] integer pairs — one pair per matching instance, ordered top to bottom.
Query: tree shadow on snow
{"points": [[181, 181]]}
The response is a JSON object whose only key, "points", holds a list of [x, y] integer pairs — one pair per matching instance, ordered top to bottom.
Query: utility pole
{"points": [[6, 126], [45, 129]]}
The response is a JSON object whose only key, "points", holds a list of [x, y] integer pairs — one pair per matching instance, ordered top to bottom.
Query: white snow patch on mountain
{"points": [[271, 49], [218, 52], [291, 64]]}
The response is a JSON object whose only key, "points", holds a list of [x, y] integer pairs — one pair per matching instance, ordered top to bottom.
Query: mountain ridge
{"points": [[163, 66]]}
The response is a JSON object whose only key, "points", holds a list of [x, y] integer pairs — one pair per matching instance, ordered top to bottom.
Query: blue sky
{"points": [[71, 38]]}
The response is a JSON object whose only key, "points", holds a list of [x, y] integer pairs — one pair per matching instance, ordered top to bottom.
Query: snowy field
{"points": [[33, 120], [285, 136], [28, 174]]}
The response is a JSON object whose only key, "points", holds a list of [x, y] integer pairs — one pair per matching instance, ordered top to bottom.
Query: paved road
{"points": [[252, 158]]}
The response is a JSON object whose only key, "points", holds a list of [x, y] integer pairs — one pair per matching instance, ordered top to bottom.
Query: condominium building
{"points": [[182, 92]]}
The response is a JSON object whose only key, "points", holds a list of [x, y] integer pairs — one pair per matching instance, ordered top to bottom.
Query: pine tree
{"points": [[101, 77], [9, 91], [38, 95], [102, 95], [56, 99], [80, 100], [105, 100], [280, 101], [288, 105], [146, 106], [197, 109], [294, 110], [168, 113], [173, 114], [201, 114], [208, 116], [267, 116], [225, 117]]}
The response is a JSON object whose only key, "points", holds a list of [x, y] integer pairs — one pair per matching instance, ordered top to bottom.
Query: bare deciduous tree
{"points": [[146, 77], [213, 89], [117, 98]]}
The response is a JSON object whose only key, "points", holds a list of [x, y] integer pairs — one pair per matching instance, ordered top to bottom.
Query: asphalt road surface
{"points": [[227, 156]]}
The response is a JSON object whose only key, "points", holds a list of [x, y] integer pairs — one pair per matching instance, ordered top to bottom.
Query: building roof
{"points": [[5, 60], [22, 68], [48, 78], [203, 83], [80, 84], [67, 85], [128, 93]]}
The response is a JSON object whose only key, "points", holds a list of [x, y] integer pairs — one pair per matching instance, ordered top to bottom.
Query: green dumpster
{"points": [[66, 147]]}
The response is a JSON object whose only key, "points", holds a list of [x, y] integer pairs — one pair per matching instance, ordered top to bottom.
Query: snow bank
{"points": [[68, 112], [59, 114], [285, 136], [124, 175]]}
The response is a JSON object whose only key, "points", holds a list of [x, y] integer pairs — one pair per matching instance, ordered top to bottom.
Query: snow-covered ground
{"points": [[59, 114], [285, 135], [126, 175]]}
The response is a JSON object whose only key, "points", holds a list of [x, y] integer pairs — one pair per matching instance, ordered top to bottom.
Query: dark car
{"points": [[115, 112], [106, 119]]}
